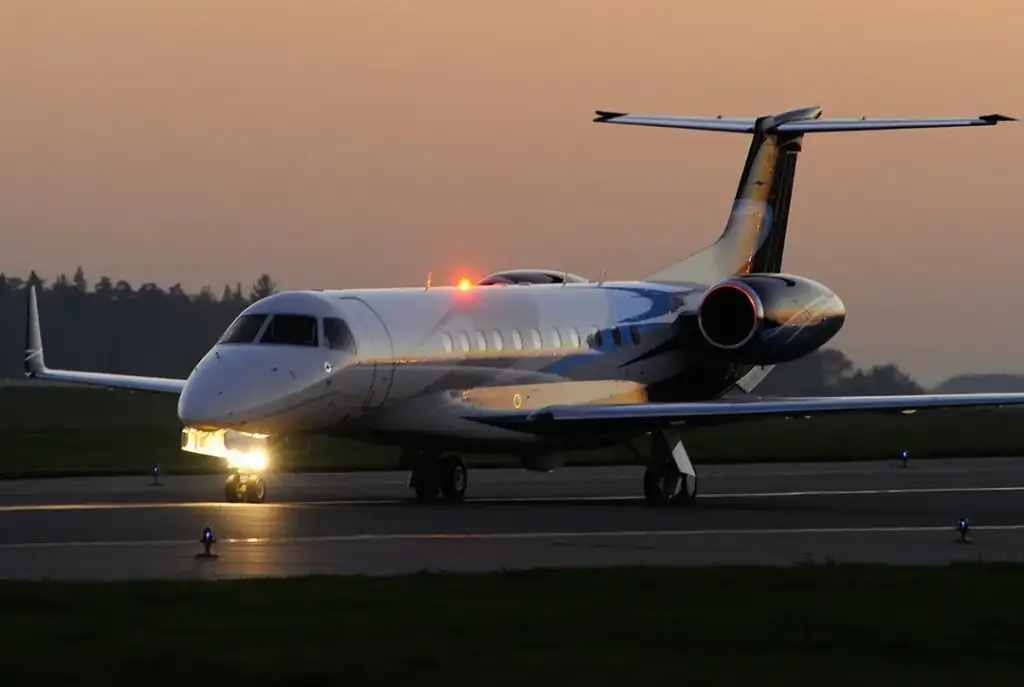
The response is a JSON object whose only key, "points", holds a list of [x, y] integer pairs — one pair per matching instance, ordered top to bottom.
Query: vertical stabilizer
{"points": [[755, 232]]}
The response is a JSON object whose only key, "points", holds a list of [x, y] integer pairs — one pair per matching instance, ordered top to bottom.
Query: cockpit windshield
{"points": [[244, 329], [291, 330], [338, 336]]}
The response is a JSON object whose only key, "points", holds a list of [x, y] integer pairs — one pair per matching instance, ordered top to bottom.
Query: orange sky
{"points": [[352, 143]]}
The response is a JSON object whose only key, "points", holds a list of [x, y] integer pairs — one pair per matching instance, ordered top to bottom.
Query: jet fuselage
{"points": [[414, 364]]}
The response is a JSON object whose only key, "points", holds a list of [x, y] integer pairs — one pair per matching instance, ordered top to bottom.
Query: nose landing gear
{"points": [[242, 486]]}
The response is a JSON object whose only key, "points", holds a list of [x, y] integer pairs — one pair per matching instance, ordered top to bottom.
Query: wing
{"points": [[35, 366], [638, 417]]}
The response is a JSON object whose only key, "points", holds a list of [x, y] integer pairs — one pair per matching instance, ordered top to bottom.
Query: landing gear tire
{"points": [[445, 477], [453, 479], [425, 483], [665, 485], [241, 487]]}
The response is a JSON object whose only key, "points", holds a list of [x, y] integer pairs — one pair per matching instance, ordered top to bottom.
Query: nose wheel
{"points": [[445, 477], [242, 487]]}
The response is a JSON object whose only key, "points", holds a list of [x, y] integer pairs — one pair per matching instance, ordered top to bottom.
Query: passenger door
{"points": [[378, 361]]}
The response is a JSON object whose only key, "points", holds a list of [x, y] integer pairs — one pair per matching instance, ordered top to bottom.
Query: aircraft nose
{"points": [[247, 387], [213, 393], [197, 406]]}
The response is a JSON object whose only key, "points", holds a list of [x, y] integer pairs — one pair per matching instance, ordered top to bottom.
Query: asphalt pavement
{"points": [[777, 514]]}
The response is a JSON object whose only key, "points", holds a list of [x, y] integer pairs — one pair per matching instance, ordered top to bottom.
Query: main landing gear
{"points": [[443, 476], [670, 478], [247, 487]]}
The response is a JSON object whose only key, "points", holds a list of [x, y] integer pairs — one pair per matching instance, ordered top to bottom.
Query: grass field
{"points": [[69, 431], [831, 625]]}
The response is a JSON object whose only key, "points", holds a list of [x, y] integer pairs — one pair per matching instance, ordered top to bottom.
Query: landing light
{"points": [[240, 450], [254, 461]]}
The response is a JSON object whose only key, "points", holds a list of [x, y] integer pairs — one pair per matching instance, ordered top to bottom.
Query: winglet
{"points": [[604, 115], [996, 118], [34, 364], [35, 367]]}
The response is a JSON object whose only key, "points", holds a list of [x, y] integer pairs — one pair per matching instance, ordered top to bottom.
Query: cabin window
{"points": [[244, 329], [291, 330], [634, 335], [338, 336], [574, 336], [616, 336], [556, 338], [446, 339], [517, 340], [464, 341], [481, 341], [498, 343], [537, 343]]}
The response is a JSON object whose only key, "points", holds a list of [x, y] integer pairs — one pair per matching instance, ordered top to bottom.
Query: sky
{"points": [[363, 143]]}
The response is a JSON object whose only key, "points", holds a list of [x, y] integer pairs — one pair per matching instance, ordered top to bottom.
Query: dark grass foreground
{"points": [[828, 625]]}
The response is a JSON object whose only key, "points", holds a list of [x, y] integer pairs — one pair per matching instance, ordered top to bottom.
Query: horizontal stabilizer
{"points": [[789, 123], [880, 124], [739, 126]]}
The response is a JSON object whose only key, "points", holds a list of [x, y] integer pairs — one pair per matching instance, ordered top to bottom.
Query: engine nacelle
{"points": [[511, 277], [767, 319]]}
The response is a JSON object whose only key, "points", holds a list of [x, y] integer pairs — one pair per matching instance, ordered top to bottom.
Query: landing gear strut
{"points": [[444, 476], [670, 478], [242, 486]]}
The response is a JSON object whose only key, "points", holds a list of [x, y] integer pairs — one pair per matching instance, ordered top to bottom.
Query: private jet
{"points": [[533, 363]]}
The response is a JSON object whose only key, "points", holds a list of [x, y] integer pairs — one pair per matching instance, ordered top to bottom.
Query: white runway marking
{"points": [[565, 475], [496, 500], [357, 538]]}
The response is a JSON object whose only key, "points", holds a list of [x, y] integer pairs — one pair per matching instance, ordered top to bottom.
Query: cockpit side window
{"points": [[243, 330], [291, 330], [338, 336]]}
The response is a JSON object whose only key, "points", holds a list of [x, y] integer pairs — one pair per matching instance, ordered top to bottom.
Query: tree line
{"points": [[113, 326]]}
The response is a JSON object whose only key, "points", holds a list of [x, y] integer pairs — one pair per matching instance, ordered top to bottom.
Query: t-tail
{"points": [[755, 233]]}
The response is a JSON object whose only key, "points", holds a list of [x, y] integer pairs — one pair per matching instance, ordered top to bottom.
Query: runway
{"points": [[123, 528]]}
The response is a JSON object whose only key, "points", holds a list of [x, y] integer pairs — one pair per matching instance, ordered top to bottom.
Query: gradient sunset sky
{"points": [[353, 143]]}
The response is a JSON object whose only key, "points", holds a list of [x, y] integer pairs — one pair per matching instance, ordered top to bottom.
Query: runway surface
{"points": [[119, 528]]}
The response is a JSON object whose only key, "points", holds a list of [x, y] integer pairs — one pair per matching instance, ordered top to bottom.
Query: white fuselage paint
{"points": [[425, 359]]}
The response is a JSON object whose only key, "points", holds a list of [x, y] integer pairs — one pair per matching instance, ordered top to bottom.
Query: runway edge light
{"points": [[963, 527], [207, 540]]}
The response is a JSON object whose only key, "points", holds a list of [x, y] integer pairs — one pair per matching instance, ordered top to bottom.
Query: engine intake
{"points": [[730, 315], [767, 319]]}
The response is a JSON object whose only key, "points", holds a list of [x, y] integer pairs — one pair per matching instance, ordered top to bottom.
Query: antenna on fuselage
{"points": [[429, 275], [565, 278], [601, 280]]}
